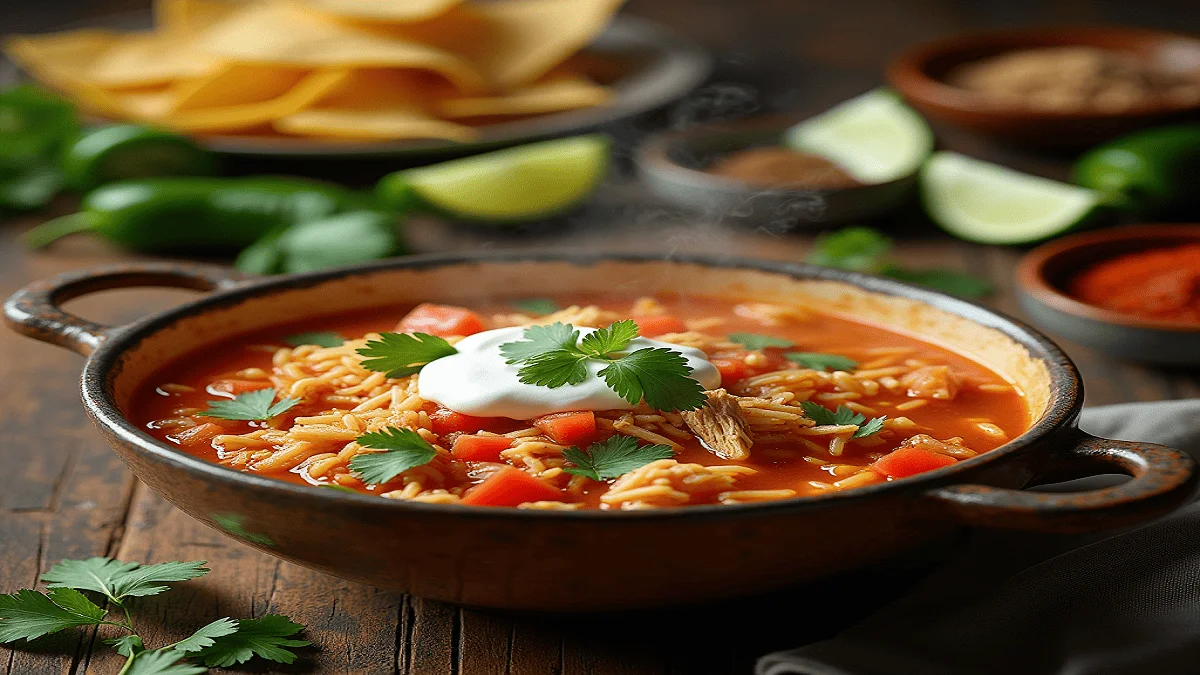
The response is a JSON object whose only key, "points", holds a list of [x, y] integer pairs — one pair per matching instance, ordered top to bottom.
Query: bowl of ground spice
{"points": [[1066, 87], [743, 172], [1133, 292]]}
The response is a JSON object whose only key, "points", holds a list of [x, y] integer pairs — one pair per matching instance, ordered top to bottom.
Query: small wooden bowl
{"points": [[919, 75], [672, 164], [1041, 280]]}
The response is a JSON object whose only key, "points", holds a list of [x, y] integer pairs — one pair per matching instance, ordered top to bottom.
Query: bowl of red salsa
{"points": [[1133, 292]]}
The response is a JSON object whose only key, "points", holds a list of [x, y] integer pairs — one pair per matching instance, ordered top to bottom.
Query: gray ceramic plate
{"points": [[654, 67], [672, 166]]}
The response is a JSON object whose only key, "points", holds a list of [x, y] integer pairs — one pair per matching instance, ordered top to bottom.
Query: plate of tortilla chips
{"points": [[367, 77]]}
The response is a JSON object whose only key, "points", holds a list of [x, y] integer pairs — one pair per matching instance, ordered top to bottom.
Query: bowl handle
{"points": [[36, 310], [1162, 479]]}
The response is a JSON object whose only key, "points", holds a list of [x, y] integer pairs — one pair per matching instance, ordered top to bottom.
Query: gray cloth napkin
{"points": [[1017, 603]]}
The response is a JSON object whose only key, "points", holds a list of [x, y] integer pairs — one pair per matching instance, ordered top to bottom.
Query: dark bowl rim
{"points": [[908, 72], [654, 155], [1032, 279], [1066, 395]]}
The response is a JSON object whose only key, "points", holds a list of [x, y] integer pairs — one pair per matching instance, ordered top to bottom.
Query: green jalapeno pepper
{"points": [[34, 124], [1153, 171], [197, 215]]}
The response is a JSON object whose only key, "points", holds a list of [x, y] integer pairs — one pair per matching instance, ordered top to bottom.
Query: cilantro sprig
{"points": [[863, 249], [319, 338], [755, 341], [402, 354], [553, 356], [821, 361], [251, 406], [843, 416], [405, 449], [616, 456], [29, 614]]}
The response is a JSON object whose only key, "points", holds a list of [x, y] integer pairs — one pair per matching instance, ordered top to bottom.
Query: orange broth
{"points": [[777, 466]]}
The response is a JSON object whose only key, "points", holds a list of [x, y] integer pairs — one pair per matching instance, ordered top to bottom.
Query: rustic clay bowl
{"points": [[919, 75], [672, 166], [1044, 272], [548, 560]]}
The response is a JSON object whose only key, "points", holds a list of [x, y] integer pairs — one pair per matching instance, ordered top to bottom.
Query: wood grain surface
{"points": [[64, 494]]}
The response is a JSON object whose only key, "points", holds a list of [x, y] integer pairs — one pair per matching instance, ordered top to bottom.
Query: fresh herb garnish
{"points": [[862, 249], [539, 306], [318, 338], [755, 341], [401, 354], [553, 356], [821, 361], [250, 406], [843, 416], [405, 449], [613, 457], [29, 614]]}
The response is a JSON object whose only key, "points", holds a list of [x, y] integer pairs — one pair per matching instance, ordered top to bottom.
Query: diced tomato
{"points": [[441, 320], [658, 324], [731, 370], [231, 387], [446, 421], [569, 428], [198, 435], [479, 448], [909, 461], [510, 486]]}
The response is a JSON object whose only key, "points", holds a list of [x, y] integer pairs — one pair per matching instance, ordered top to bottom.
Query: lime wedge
{"points": [[875, 137], [522, 183], [991, 204]]}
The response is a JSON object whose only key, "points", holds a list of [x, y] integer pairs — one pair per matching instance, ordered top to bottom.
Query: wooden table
{"points": [[65, 495]]}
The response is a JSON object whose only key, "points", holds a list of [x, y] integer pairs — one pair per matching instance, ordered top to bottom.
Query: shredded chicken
{"points": [[938, 382], [721, 427], [951, 447]]}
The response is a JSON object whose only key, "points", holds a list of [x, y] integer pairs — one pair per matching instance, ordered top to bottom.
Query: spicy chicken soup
{"points": [[583, 402]]}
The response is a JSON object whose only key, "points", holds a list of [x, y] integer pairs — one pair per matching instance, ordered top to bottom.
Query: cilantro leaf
{"points": [[860, 249], [942, 279], [539, 306], [318, 338], [538, 340], [604, 341], [755, 341], [401, 354], [820, 361], [554, 368], [658, 375], [250, 406], [824, 416], [843, 416], [872, 427], [405, 449], [613, 457], [339, 488], [118, 580], [29, 614], [267, 637], [203, 638], [127, 645], [160, 662]]}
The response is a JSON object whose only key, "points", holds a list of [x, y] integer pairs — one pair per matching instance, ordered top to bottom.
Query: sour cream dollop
{"points": [[476, 381]]}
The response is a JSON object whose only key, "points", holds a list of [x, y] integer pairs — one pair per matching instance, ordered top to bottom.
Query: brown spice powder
{"points": [[778, 167]]}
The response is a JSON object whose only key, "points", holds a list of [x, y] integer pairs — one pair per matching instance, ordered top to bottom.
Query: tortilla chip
{"points": [[383, 10], [191, 17], [284, 34], [526, 38], [60, 59], [143, 59], [238, 84], [553, 94], [377, 104]]}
